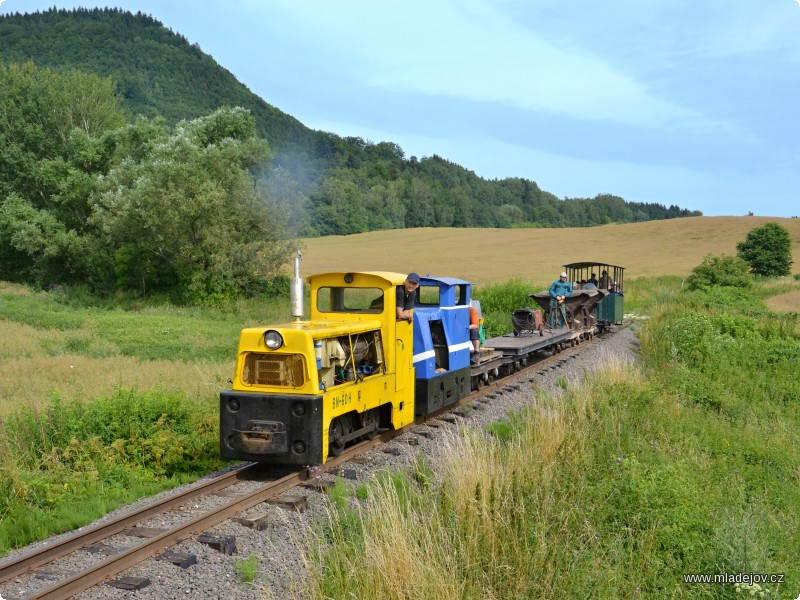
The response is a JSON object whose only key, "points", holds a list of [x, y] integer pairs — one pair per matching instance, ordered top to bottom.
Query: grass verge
{"points": [[67, 465]]}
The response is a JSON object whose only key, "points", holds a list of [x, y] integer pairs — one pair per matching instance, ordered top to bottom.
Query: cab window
{"points": [[428, 295], [461, 295], [350, 300]]}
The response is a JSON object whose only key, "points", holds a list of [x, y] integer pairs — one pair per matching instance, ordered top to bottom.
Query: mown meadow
{"points": [[648, 249], [685, 462]]}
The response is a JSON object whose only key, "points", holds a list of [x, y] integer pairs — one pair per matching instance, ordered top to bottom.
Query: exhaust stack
{"points": [[296, 290]]}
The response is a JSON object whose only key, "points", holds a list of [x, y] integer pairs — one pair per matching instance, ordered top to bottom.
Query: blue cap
{"points": [[413, 277]]}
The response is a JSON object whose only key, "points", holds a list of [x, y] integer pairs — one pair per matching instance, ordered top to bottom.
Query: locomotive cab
{"points": [[441, 342], [303, 390]]}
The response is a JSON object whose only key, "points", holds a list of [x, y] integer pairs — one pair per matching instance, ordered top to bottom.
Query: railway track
{"points": [[155, 542]]}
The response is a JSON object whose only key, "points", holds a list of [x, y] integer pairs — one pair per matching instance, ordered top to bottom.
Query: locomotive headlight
{"points": [[273, 339]]}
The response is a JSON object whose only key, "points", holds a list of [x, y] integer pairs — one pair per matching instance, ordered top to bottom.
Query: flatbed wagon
{"points": [[517, 350]]}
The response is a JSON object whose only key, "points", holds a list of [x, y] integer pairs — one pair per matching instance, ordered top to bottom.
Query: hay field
{"points": [[653, 248], [785, 302]]}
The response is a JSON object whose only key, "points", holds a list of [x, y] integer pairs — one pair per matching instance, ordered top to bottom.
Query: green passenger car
{"points": [[609, 277]]}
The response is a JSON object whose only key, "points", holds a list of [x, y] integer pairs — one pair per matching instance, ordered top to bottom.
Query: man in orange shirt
{"points": [[474, 329]]}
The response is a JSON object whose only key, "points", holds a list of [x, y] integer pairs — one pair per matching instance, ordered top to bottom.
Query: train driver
{"points": [[405, 297]]}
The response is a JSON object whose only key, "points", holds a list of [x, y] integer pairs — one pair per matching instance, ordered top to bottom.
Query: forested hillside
{"points": [[329, 184]]}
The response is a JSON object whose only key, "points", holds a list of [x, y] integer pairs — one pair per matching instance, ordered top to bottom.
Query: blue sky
{"points": [[677, 102]]}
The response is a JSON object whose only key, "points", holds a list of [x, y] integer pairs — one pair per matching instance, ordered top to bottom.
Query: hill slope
{"points": [[158, 73], [334, 185], [654, 248]]}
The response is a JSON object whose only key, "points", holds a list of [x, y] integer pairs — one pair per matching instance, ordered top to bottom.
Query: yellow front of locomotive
{"points": [[304, 390]]}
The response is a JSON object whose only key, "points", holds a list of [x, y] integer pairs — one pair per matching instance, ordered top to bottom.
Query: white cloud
{"points": [[473, 50], [491, 59]]}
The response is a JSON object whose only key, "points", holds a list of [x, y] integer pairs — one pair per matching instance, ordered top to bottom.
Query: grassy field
{"points": [[649, 249], [785, 302], [54, 346], [102, 403]]}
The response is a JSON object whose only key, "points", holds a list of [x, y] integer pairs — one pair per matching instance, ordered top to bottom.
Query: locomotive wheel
{"points": [[479, 383], [371, 418], [336, 434]]}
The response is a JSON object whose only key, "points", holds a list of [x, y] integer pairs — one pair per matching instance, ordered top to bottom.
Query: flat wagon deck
{"points": [[521, 345]]}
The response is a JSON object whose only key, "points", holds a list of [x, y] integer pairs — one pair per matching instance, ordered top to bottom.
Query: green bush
{"points": [[716, 271], [499, 300], [741, 301], [692, 338], [163, 433], [64, 466]]}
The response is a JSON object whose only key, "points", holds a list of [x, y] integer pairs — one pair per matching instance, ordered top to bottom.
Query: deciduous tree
{"points": [[188, 212], [768, 250]]}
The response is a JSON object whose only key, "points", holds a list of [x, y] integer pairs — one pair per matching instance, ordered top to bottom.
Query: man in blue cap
{"points": [[405, 297]]}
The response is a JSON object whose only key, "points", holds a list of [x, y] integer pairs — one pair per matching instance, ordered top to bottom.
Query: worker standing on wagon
{"points": [[560, 290], [474, 332]]}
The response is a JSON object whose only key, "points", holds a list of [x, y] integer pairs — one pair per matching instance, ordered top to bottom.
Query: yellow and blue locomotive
{"points": [[302, 390]]}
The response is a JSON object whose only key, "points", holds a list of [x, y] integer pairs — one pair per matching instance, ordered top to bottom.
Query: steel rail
{"points": [[41, 556], [113, 565]]}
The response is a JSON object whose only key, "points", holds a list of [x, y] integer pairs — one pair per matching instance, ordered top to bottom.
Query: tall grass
{"points": [[642, 293], [500, 300], [152, 332], [53, 343], [637, 476], [512, 518]]}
